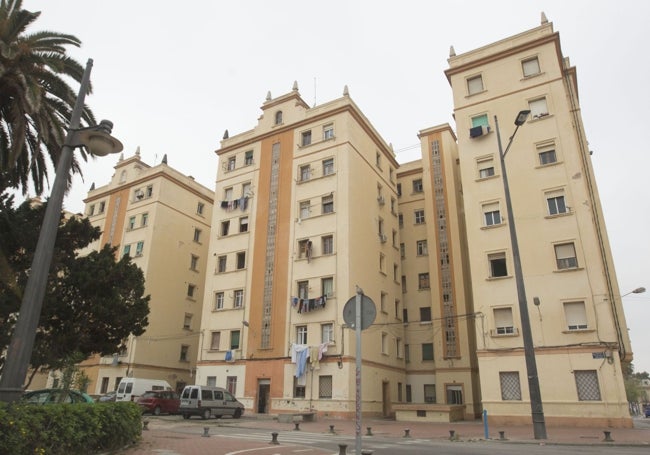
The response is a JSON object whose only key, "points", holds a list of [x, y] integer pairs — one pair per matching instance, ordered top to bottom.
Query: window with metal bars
{"points": [[510, 385], [325, 387]]}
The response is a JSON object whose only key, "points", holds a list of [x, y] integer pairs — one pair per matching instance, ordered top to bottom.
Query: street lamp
{"points": [[98, 140], [639, 290], [539, 426]]}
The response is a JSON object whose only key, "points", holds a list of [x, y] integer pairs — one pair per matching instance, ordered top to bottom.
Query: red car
{"points": [[159, 402]]}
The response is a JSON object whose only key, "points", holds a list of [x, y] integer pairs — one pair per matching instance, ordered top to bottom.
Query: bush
{"points": [[63, 429]]}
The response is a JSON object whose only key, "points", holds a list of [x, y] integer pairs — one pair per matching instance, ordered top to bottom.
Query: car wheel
{"points": [[156, 411], [237, 413], [206, 414], [186, 416]]}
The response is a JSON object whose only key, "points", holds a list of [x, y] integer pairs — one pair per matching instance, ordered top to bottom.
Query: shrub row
{"points": [[67, 428]]}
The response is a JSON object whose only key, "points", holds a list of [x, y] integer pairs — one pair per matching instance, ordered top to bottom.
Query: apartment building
{"points": [[306, 211], [161, 218], [576, 316]]}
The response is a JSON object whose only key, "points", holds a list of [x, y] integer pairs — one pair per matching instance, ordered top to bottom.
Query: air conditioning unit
{"points": [[478, 131], [139, 194], [381, 200], [383, 238]]}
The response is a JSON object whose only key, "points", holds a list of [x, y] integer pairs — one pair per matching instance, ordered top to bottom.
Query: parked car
{"points": [[129, 389], [51, 396], [110, 396], [206, 401], [159, 402], [646, 410]]}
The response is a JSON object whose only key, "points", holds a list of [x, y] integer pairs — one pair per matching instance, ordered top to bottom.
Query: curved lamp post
{"points": [[98, 140], [639, 290], [537, 412]]}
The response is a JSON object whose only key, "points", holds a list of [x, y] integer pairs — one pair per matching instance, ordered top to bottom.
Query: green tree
{"points": [[35, 100], [92, 302]]}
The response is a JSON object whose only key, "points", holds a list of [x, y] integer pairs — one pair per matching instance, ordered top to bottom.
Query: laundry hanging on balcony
{"points": [[241, 203], [307, 305]]}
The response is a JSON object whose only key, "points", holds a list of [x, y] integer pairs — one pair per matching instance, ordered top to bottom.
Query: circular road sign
{"points": [[368, 312]]}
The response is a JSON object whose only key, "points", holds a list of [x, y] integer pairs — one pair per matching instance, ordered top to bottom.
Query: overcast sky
{"points": [[173, 76]]}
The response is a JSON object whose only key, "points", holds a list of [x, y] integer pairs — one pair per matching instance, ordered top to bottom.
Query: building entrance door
{"points": [[263, 392], [385, 399]]}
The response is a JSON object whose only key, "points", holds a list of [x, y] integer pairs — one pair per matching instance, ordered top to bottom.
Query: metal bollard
{"points": [[297, 424], [145, 425], [332, 429], [206, 432], [369, 433], [407, 433], [452, 434], [502, 435], [608, 436], [274, 438], [343, 449], [367, 452]]}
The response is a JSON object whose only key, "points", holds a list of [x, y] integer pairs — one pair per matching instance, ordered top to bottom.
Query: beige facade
{"points": [[161, 218], [578, 326]]}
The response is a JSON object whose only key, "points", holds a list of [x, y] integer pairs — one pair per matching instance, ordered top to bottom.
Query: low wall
{"points": [[428, 412]]}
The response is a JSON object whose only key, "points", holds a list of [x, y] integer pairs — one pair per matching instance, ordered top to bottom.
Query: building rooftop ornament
{"points": [[544, 19], [452, 51], [295, 86], [346, 91], [268, 96], [225, 134], [137, 152], [164, 160]]}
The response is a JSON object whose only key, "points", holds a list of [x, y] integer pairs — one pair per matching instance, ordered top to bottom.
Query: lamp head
{"points": [[521, 117], [98, 140], [639, 290]]}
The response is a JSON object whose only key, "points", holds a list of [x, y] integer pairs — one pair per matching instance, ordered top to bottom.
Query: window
{"points": [[530, 67], [475, 84], [538, 108], [278, 118], [480, 120], [328, 132], [305, 138], [547, 157], [248, 158], [378, 159], [232, 161], [328, 166], [485, 168], [305, 173], [417, 185], [245, 189], [149, 190], [399, 190], [227, 194], [556, 203], [328, 204], [393, 205], [102, 207], [199, 208], [304, 209], [91, 210], [491, 214], [419, 216], [145, 220], [400, 220], [131, 224], [243, 224], [225, 228], [380, 229], [327, 244], [139, 247], [304, 248], [421, 248], [127, 250], [402, 250], [565, 255], [241, 260], [194, 262], [382, 263], [221, 264], [498, 266], [395, 271], [423, 281], [327, 286], [404, 286], [191, 289], [303, 289], [238, 298], [218, 300], [382, 302], [397, 309], [425, 314], [576, 317], [187, 321], [503, 321], [327, 333], [301, 334], [215, 339], [234, 339], [384, 343], [398, 348], [427, 351], [407, 353], [184, 356], [211, 381], [231, 384], [510, 385], [587, 385], [325, 387], [298, 390], [399, 392], [409, 393], [429, 393], [454, 394]]}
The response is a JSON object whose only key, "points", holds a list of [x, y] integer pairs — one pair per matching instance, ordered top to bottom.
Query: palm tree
{"points": [[35, 101]]}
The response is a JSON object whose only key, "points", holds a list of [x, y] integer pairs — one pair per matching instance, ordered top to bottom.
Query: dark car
{"points": [[51, 396], [159, 402], [646, 410]]}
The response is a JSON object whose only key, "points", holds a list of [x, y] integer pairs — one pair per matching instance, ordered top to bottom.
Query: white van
{"points": [[130, 388]]}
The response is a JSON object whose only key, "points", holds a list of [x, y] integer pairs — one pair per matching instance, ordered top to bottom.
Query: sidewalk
{"points": [[173, 435]]}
